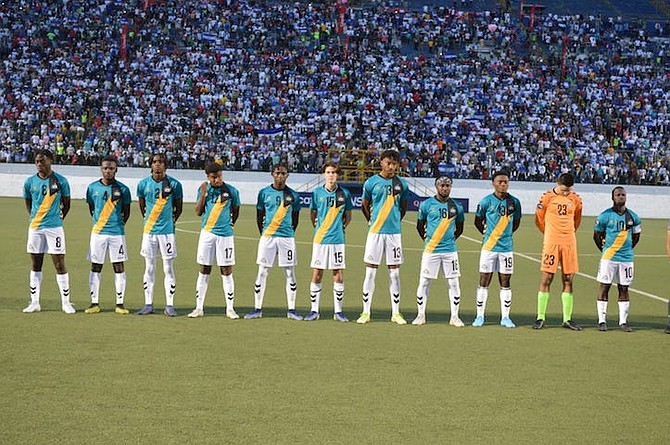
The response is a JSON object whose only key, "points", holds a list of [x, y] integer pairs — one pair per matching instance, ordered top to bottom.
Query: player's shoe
{"points": [[32, 307], [68, 308], [92, 309], [119, 309], [146, 310], [169, 311], [195, 313], [230, 313], [256, 313], [293, 315], [313, 315], [339, 316], [363, 318], [398, 319], [419, 320], [455, 321], [478, 322], [507, 322], [539, 324], [571, 325], [602, 327], [624, 327]]}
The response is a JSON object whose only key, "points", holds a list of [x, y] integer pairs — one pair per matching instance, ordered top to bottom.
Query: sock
{"points": [[148, 278], [63, 281], [170, 281], [201, 285], [36, 286], [94, 286], [259, 286], [120, 287], [291, 288], [368, 288], [394, 289], [229, 290], [315, 295], [422, 295], [454, 295], [338, 296], [481, 297], [568, 300], [542, 301], [505, 302], [602, 311], [623, 311]]}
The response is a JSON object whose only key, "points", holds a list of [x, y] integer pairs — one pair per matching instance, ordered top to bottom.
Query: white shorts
{"points": [[51, 241], [378, 243], [101, 244], [164, 244], [211, 245], [270, 247], [328, 256], [502, 262], [431, 263], [619, 272]]}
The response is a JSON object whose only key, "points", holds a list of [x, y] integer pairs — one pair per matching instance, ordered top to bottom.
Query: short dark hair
{"points": [[45, 152], [390, 154], [162, 156], [110, 158], [333, 164], [279, 165], [212, 167], [501, 172], [566, 179], [618, 187]]}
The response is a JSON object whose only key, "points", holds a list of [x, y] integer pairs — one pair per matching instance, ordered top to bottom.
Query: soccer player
{"points": [[47, 198], [161, 200], [218, 203], [109, 204], [384, 205], [277, 212], [330, 212], [558, 215], [497, 217], [440, 223], [616, 232]]}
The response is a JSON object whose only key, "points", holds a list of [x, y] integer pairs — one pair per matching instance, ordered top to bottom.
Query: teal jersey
{"points": [[46, 195], [385, 195], [159, 198], [108, 202], [219, 203], [279, 206], [330, 208], [499, 217], [440, 219], [618, 230]]}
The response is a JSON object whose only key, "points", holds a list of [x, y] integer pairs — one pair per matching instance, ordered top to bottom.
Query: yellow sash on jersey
{"points": [[44, 207], [155, 213], [105, 214], [214, 214], [383, 214], [276, 221], [327, 223], [497, 232], [438, 235], [616, 245]]}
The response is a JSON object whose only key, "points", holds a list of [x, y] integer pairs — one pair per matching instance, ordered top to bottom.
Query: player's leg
{"points": [[56, 248], [374, 248], [168, 249], [149, 250], [96, 255], [205, 257], [225, 258], [265, 258], [394, 258], [288, 259], [37, 260], [487, 266], [569, 267], [548, 268], [429, 269], [505, 271], [452, 272], [605, 277], [624, 277], [120, 287], [314, 294], [338, 295]]}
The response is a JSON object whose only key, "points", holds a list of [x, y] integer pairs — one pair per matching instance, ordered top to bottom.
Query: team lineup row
{"points": [[440, 222]]}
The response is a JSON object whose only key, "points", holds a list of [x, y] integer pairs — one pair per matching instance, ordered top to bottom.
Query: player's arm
{"points": [[202, 198], [29, 205], [64, 206], [143, 206], [366, 207], [403, 208], [177, 209], [125, 213], [540, 213], [578, 213], [234, 214], [517, 215], [312, 217], [260, 218], [295, 218], [347, 219], [479, 224], [421, 228], [459, 229], [599, 239], [636, 239]]}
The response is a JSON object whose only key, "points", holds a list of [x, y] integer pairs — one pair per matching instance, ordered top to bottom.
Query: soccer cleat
{"points": [[32, 307], [68, 308], [92, 309], [119, 309], [146, 310], [169, 311], [195, 313], [230, 313], [256, 313], [293, 315], [313, 315], [339, 316], [363, 318], [398, 319], [419, 320], [455, 321], [479, 321], [507, 322], [539, 324], [571, 325], [602, 327], [624, 327]]}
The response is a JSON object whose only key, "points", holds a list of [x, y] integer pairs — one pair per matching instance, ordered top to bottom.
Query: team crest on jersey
{"points": [[54, 185], [288, 198]]}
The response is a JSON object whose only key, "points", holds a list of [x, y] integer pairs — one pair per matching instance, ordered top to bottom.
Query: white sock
{"points": [[148, 278], [63, 281], [170, 281], [201, 285], [35, 286], [94, 286], [259, 286], [120, 287], [291, 288], [368, 288], [229, 290], [394, 290], [422, 295], [454, 295], [315, 296], [338, 296], [481, 298], [505, 302], [602, 311], [623, 311]]}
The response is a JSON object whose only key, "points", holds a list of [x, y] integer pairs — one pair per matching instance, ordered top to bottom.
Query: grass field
{"points": [[105, 378]]}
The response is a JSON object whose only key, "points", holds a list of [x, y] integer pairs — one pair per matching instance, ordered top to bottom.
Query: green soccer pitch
{"points": [[111, 379]]}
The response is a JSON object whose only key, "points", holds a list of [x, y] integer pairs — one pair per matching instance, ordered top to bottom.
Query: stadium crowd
{"points": [[253, 83]]}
